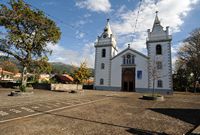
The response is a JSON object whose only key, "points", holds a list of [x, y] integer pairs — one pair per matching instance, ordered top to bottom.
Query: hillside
{"points": [[11, 59], [57, 67]]}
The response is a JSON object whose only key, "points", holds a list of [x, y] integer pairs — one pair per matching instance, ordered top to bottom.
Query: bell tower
{"points": [[105, 49], [159, 52]]}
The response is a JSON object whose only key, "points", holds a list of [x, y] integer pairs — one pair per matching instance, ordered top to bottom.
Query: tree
{"points": [[28, 33], [189, 55], [9, 66], [40, 66], [82, 73], [155, 74], [181, 77]]}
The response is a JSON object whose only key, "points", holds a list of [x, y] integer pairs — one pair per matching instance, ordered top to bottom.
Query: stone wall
{"points": [[43, 86], [65, 87]]}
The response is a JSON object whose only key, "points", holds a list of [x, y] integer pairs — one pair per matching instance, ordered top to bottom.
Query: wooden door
{"points": [[128, 79]]}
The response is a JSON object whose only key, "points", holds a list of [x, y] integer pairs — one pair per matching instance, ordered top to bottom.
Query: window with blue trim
{"points": [[139, 74]]}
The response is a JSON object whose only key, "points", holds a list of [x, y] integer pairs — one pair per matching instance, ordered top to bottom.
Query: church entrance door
{"points": [[128, 79]]}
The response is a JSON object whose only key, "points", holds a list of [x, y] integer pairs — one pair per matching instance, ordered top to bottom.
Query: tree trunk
{"points": [[2, 74], [24, 77], [77, 86], [153, 87], [195, 87]]}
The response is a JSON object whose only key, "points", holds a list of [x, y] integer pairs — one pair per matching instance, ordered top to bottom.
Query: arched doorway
{"points": [[128, 79]]}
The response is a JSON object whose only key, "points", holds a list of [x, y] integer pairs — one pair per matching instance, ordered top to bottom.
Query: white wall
{"points": [[141, 64], [102, 73], [165, 73]]}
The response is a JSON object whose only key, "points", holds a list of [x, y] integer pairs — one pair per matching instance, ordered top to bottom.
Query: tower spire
{"points": [[108, 19], [156, 21], [107, 29]]}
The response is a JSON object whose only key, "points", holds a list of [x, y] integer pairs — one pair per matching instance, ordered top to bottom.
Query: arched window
{"points": [[158, 49], [103, 53], [128, 59], [133, 60], [102, 65], [101, 81], [160, 84]]}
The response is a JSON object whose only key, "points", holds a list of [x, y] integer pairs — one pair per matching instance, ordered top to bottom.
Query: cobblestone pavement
{"points": [[18, 112], [97, 113]]}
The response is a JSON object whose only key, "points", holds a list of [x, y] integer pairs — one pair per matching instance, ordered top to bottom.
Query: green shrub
{"points": [[53, 80], [45, 81], [29, 85], [22, 88]]}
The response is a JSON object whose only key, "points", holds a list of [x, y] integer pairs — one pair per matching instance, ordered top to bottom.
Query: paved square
{"points": [[97, 112]]}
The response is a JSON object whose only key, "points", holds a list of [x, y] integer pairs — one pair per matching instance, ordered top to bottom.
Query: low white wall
{"points": [[65, 87]]}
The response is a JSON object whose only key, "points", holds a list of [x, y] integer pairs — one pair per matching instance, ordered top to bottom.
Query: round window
{"points": [[105, 35], [128, 56]]}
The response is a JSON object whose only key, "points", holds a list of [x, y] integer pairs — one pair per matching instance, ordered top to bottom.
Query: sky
{"points": [[81, 21]]}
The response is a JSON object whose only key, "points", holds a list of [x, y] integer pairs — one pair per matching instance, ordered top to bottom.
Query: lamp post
{"points": [[195, 82]]}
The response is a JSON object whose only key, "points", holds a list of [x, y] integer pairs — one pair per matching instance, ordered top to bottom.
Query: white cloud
{"points": [[95, 5], [171, 13], [87, 15], [80, 23], [79, 34], [174, 50], [89, 53], [3, 54], [67, 56]]}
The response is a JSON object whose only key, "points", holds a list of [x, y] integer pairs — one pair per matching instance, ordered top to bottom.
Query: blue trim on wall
{"points": [[107, 88], [139, 90], [158, 91]]}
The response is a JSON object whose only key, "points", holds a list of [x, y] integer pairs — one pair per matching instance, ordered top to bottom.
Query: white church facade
{"points": [[130, 70]]}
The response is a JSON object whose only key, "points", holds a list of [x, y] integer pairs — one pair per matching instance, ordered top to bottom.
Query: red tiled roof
{"points": [[6, 72], [68, 77]]}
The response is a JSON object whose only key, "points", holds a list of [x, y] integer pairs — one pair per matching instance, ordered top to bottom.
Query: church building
{"points": [[131, 70]]}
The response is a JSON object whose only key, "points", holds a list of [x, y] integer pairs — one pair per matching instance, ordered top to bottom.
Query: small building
{"points": [[6, 75], [17, 76], [44, 77], [64, 78], [89, 81]]}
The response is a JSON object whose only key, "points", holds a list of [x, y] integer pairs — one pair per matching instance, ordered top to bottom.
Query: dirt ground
{"points": [[97, 113]]}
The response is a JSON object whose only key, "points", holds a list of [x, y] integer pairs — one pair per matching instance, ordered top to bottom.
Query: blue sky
{"points": [[81, 21]]}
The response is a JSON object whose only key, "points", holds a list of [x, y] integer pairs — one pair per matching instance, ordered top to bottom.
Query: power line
{"points": [[58, 19], [136, 20], [178, 41]]}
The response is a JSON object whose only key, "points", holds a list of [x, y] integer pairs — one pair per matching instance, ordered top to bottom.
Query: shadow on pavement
{"points": [[191, 116], [128, 129], [136, 131]]}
